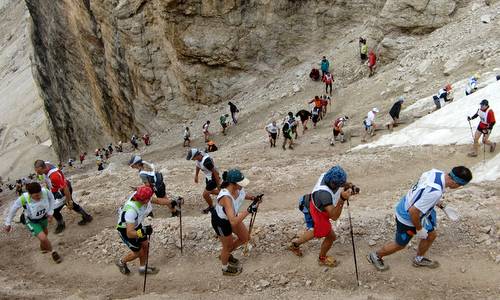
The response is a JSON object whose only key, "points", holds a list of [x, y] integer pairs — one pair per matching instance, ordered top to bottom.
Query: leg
{"points": [[475, 146], [208, 198], [86, 218], [243, 235], [306, 237], [44, 241], [327, 244], [424, 245], [227, 248], [389, 248], [143, 253]]}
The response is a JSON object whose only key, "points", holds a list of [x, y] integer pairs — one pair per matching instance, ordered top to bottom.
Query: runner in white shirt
{"points": [[369, 123], [206, 132], [273, 132], [205, 163], [38, 205], [415, 215], [131, 230]]}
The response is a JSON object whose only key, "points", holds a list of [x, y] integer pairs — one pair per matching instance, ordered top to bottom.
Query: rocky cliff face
{"points": [[106, 69]]}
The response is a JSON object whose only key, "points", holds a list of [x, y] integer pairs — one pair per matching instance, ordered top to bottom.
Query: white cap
{"points": [[375, 110], [192, 153]]}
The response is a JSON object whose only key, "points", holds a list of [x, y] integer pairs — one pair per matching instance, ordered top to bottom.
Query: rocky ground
{"points": [[468, 250]]}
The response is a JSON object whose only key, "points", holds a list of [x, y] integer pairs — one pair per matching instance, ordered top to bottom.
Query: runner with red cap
{"points": [[131, 230]]}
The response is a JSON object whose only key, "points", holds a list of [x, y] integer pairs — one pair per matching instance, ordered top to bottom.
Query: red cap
{"points": [[143, 194]]}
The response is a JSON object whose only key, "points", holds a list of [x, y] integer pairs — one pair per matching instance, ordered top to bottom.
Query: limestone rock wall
{"points": [[106, 69]]}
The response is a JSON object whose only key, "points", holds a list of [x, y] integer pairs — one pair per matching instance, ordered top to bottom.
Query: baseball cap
{"points": [[484, 102], [375, 110], [192, 153], [135, 159], [235, 176], [143, 194]]}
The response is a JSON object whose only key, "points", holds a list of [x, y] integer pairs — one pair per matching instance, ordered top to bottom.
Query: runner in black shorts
{"points": [[205, 163], [227, 218]]}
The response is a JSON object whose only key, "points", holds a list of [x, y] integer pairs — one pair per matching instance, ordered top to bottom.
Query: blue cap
{"points": [[336, 175]]}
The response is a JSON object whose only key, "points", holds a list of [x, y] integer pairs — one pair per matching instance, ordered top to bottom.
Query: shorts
{"points": [[363, 56], [393, 117], [315, 118], [223, 126], [336, 132], [274, 135], [287, 136], [186, 138], [210, 185], [160, 191], [37, 226], [221, 226], [405, 233], [133, 244]]}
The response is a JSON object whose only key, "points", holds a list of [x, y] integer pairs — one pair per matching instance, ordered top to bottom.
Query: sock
{"points": [[418, 258], [224, 267], [142, 268]]}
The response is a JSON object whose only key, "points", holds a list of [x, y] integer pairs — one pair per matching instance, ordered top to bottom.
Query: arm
{"points": [[474, 116], [197, 172], [216, 176], [67, 197], [162, 201], [51, 204], [228, 207], [335, 211], [12, 212], [415, 217], [131, 232]]}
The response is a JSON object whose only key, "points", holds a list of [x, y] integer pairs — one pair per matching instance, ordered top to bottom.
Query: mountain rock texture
{"points": [[107, 69]]}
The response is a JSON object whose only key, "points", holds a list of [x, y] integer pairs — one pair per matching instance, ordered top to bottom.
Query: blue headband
{"points": [[457, 179]]}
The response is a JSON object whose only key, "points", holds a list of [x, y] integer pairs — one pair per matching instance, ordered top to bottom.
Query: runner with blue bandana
{"points": [[415, 215]]}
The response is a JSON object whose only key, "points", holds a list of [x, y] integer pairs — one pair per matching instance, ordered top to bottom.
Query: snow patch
{"points": [[447, 125], [487, 172]]}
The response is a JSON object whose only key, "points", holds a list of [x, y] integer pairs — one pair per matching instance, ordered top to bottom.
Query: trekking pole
{"points": [[471, 132], [484, 153], [180, 224], [250, 227], [353, 246], [146, 270]]}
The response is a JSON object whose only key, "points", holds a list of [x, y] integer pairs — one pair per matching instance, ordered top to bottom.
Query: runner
{"points": [[363, 49], [372, 62], [325, 66], [328, 80], [472, 84], [443, 96], [318, 104], [234, 112], [394, 113], [304, 116], [224, 123], [292, 123], [369, 123], [486, 123], [206, 132], [273, 132], [338, 132], [287, 135], [187, 137], [146, 139], [134, 143], [82, 157], [99, 162], [153, 179], [212, 180], [62, 191], [325, 203], [38, 205], [415, 215], [227, 219], [133, 233]]}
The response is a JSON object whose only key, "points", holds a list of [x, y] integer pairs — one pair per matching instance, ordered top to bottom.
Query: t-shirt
{"points": [[233, 108], [395, 109], [303, 114], [370, 117], [222, 120], [339, 122], [272, 128], [206, 165], [147, 174], [424, 195], [323, 196], [34, 209], [133, 212]]}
